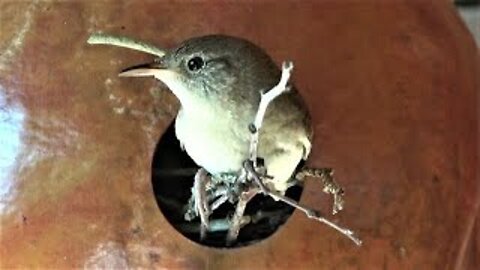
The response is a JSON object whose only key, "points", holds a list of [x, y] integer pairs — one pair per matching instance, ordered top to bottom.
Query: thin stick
{"points": [[125, 42], [265, 100], [330, 186], [218, 202], [313, 214]]}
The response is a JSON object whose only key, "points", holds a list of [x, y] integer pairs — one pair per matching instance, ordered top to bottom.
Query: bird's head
{"points": [[212, 69]]}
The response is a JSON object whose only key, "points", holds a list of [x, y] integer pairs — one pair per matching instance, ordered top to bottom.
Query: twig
{"points": [[125, 42], [265, 100], [330, 186], [218, 202], [313, 214]]}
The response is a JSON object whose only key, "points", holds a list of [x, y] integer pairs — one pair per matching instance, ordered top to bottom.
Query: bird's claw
{"points": [[207, 195], [200, 199]]}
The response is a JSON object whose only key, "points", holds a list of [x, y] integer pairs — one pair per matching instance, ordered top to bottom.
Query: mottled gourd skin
{"points": [[220, 100]]}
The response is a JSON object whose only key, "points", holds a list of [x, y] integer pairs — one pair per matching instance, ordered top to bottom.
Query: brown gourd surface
{"points": [[392, 86]]}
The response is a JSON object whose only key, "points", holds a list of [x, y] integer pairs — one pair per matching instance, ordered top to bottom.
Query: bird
{"points": [[218, 80], [222, 83]]}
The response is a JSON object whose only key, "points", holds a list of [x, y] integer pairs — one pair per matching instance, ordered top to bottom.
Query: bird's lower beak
{"points": [[144, 70], [169, 76]]}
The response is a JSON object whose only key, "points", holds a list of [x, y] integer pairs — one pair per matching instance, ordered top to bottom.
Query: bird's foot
{"points": [[330, 186], [199, 193], [208, 194], [236, 220]]}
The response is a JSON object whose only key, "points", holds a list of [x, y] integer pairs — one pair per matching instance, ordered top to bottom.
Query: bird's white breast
{"points": [[210, 141], [213, 143]]}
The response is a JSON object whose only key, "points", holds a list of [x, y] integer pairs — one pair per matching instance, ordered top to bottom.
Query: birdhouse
{"points": [[392, 89]]}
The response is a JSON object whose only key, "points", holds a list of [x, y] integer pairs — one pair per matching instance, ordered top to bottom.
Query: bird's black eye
{"points": [[195, 63]]}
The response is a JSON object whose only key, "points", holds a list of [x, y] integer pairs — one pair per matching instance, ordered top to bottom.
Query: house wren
{"points": [[218, 80]]}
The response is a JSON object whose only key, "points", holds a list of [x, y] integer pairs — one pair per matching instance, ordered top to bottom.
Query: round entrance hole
{"points": [[172, 177]]}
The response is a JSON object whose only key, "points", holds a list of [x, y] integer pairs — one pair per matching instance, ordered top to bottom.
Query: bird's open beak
{"points": [[144, 70], [169, 76]]}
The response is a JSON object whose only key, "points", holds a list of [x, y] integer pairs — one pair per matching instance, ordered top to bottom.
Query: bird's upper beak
{"points": [[145, 70], [169, 76]]}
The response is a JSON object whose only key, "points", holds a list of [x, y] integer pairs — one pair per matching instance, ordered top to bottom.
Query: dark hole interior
{"points": [[172, 177]]}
